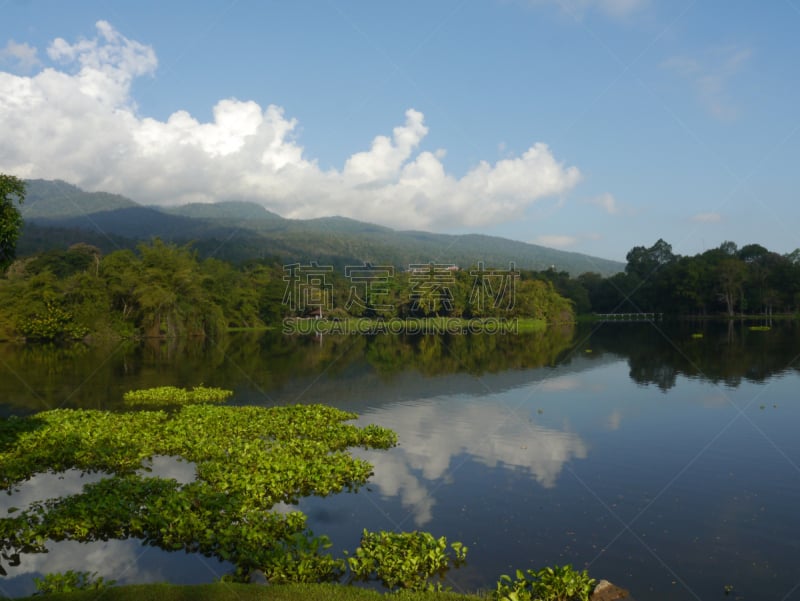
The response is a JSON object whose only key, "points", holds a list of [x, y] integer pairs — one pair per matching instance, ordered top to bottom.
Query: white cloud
{"points": [[24, 56], [711, 76], [80, 123], [607, 202], [707, 218], [556, 240]]}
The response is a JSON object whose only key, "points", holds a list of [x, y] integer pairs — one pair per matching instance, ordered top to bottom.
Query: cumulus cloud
{"points": [[24, 56], [711, 76], [78, 121], [707, 218]]}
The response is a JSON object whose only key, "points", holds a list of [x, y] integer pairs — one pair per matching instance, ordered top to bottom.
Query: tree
{"points": [[11, 189], [645, 261], [651, 267], [731, 273], [169, 289]]}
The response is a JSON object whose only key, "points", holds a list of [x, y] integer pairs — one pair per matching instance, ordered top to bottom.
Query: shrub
{"points": [[53, 324], [404, 560], [66, 582], [548, 584]]}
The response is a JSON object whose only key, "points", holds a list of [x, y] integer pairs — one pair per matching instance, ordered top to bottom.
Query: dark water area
{"points": [[661, 456]]}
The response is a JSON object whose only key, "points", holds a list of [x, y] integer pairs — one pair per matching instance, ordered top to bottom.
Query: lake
{"points": [[661, 456]]}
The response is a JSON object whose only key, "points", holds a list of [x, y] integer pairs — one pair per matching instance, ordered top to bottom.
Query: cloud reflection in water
{"points": [[436, 434]]}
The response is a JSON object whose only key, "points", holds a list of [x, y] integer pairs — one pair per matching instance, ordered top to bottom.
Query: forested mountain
{"points": [[58, 199], [237, 231]]}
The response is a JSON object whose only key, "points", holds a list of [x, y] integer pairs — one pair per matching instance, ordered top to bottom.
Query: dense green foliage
{"points": [[12, 192], [726, 280], [721, 281], [161, 290], [165, 291], [171, 395], [246, 459], [405, 560], [69, 581], [559, 583]]}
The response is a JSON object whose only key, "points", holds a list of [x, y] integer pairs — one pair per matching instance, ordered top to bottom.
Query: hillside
{"points": [[58, 199], [239, 231]]}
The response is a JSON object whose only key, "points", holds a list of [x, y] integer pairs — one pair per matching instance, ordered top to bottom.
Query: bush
{"points": [[54, 324], [404, 560], [69, 581], [548, 584]]}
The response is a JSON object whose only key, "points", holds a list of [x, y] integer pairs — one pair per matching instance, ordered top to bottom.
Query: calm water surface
{"points": [[664, 462]]}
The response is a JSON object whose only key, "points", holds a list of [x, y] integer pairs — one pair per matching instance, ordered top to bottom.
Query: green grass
{"points": [[531, 324], [430, 325], [248, 592]]}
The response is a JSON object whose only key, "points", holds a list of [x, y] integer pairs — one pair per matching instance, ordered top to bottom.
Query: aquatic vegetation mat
{"points": [[247, 460]]}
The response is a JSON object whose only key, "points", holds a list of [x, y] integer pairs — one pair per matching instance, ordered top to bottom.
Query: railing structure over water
{"points": [[629, 316]]}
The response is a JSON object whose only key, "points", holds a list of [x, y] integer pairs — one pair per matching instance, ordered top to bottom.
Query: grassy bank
{"points": [[431, 325], [248, 592]]}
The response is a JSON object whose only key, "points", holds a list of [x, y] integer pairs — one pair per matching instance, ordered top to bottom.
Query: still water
{"points": [[663, 457]]}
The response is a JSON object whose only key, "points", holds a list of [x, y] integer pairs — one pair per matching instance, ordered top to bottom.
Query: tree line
{"points": [[722, 281], [161, 289], [164, 290]]}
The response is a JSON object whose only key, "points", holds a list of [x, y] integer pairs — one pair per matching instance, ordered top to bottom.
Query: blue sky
{"points": [[584, 125]]}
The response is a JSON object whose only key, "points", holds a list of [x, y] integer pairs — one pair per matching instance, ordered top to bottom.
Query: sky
{"points": [[585, 125]]}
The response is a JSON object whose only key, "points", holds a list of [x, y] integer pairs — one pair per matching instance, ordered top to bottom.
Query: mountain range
{"points": [[57, 214]]}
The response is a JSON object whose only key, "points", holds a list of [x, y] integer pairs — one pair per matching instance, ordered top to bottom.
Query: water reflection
{"points": [[720, 352], [262, 367], [270, 368], [437, 436], [533, 449], [113, 560], [121, 560]]}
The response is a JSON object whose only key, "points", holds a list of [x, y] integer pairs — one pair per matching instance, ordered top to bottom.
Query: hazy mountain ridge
{"points": [[55, 199], [236, 210], [239, 230]]}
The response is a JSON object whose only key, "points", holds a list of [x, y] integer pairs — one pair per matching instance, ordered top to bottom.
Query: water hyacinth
{"points": [[171, 395]]}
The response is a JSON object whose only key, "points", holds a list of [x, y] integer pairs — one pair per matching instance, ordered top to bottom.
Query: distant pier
{"points": [[629, 316]]}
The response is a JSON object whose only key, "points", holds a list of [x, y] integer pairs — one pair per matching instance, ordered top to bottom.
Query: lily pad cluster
{"points": [[166, 396], [247, 460]]}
